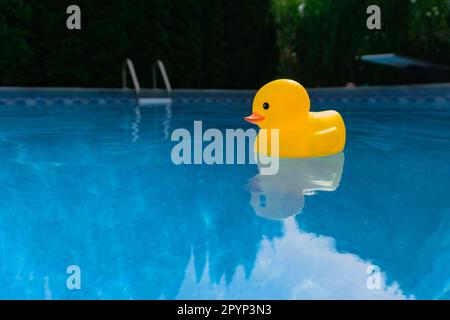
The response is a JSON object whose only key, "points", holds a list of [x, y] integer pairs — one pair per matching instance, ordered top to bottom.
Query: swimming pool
{"points": [[86, 179]]}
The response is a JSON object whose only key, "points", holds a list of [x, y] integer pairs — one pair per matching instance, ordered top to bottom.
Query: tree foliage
{"points": [[323, 39], [204, 43], [215, 43], [16, 54]]}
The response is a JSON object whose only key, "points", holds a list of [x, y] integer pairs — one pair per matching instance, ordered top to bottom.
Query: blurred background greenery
{"points": [[216, 43]]}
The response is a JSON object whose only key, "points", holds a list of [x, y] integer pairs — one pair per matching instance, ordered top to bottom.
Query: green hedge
{"points": [[322, 42], [204, 43], [215, 43]]}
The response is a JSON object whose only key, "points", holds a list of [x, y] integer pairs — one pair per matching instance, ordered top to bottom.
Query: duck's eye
{"points": [[266, 105]]}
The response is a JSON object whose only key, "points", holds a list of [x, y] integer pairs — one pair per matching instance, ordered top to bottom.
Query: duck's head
{"points": [[279, 103]]}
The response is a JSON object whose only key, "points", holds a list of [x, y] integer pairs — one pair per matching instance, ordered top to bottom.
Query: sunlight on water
{"points": [[94, 186]]}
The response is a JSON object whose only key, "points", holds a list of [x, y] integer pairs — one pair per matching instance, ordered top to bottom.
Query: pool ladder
{"points": [[128, 65]]}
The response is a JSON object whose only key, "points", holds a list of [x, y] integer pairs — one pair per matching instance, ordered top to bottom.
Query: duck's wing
{"points": [[324, 141]]}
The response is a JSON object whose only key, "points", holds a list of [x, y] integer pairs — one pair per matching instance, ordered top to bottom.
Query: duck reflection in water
{"points": [[281, 196]]}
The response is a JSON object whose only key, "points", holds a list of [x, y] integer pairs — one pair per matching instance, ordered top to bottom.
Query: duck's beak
{"points": [[254, 118]]}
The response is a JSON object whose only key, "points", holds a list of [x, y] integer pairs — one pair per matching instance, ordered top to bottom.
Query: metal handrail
{"points": [[128, 64], [164, 75]]}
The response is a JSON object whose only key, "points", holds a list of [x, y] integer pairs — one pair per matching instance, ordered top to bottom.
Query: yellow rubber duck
{"points": [[284, 105]]}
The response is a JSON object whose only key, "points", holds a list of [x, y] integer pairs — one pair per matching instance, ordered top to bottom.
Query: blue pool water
{"points": [[90, 182]]}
